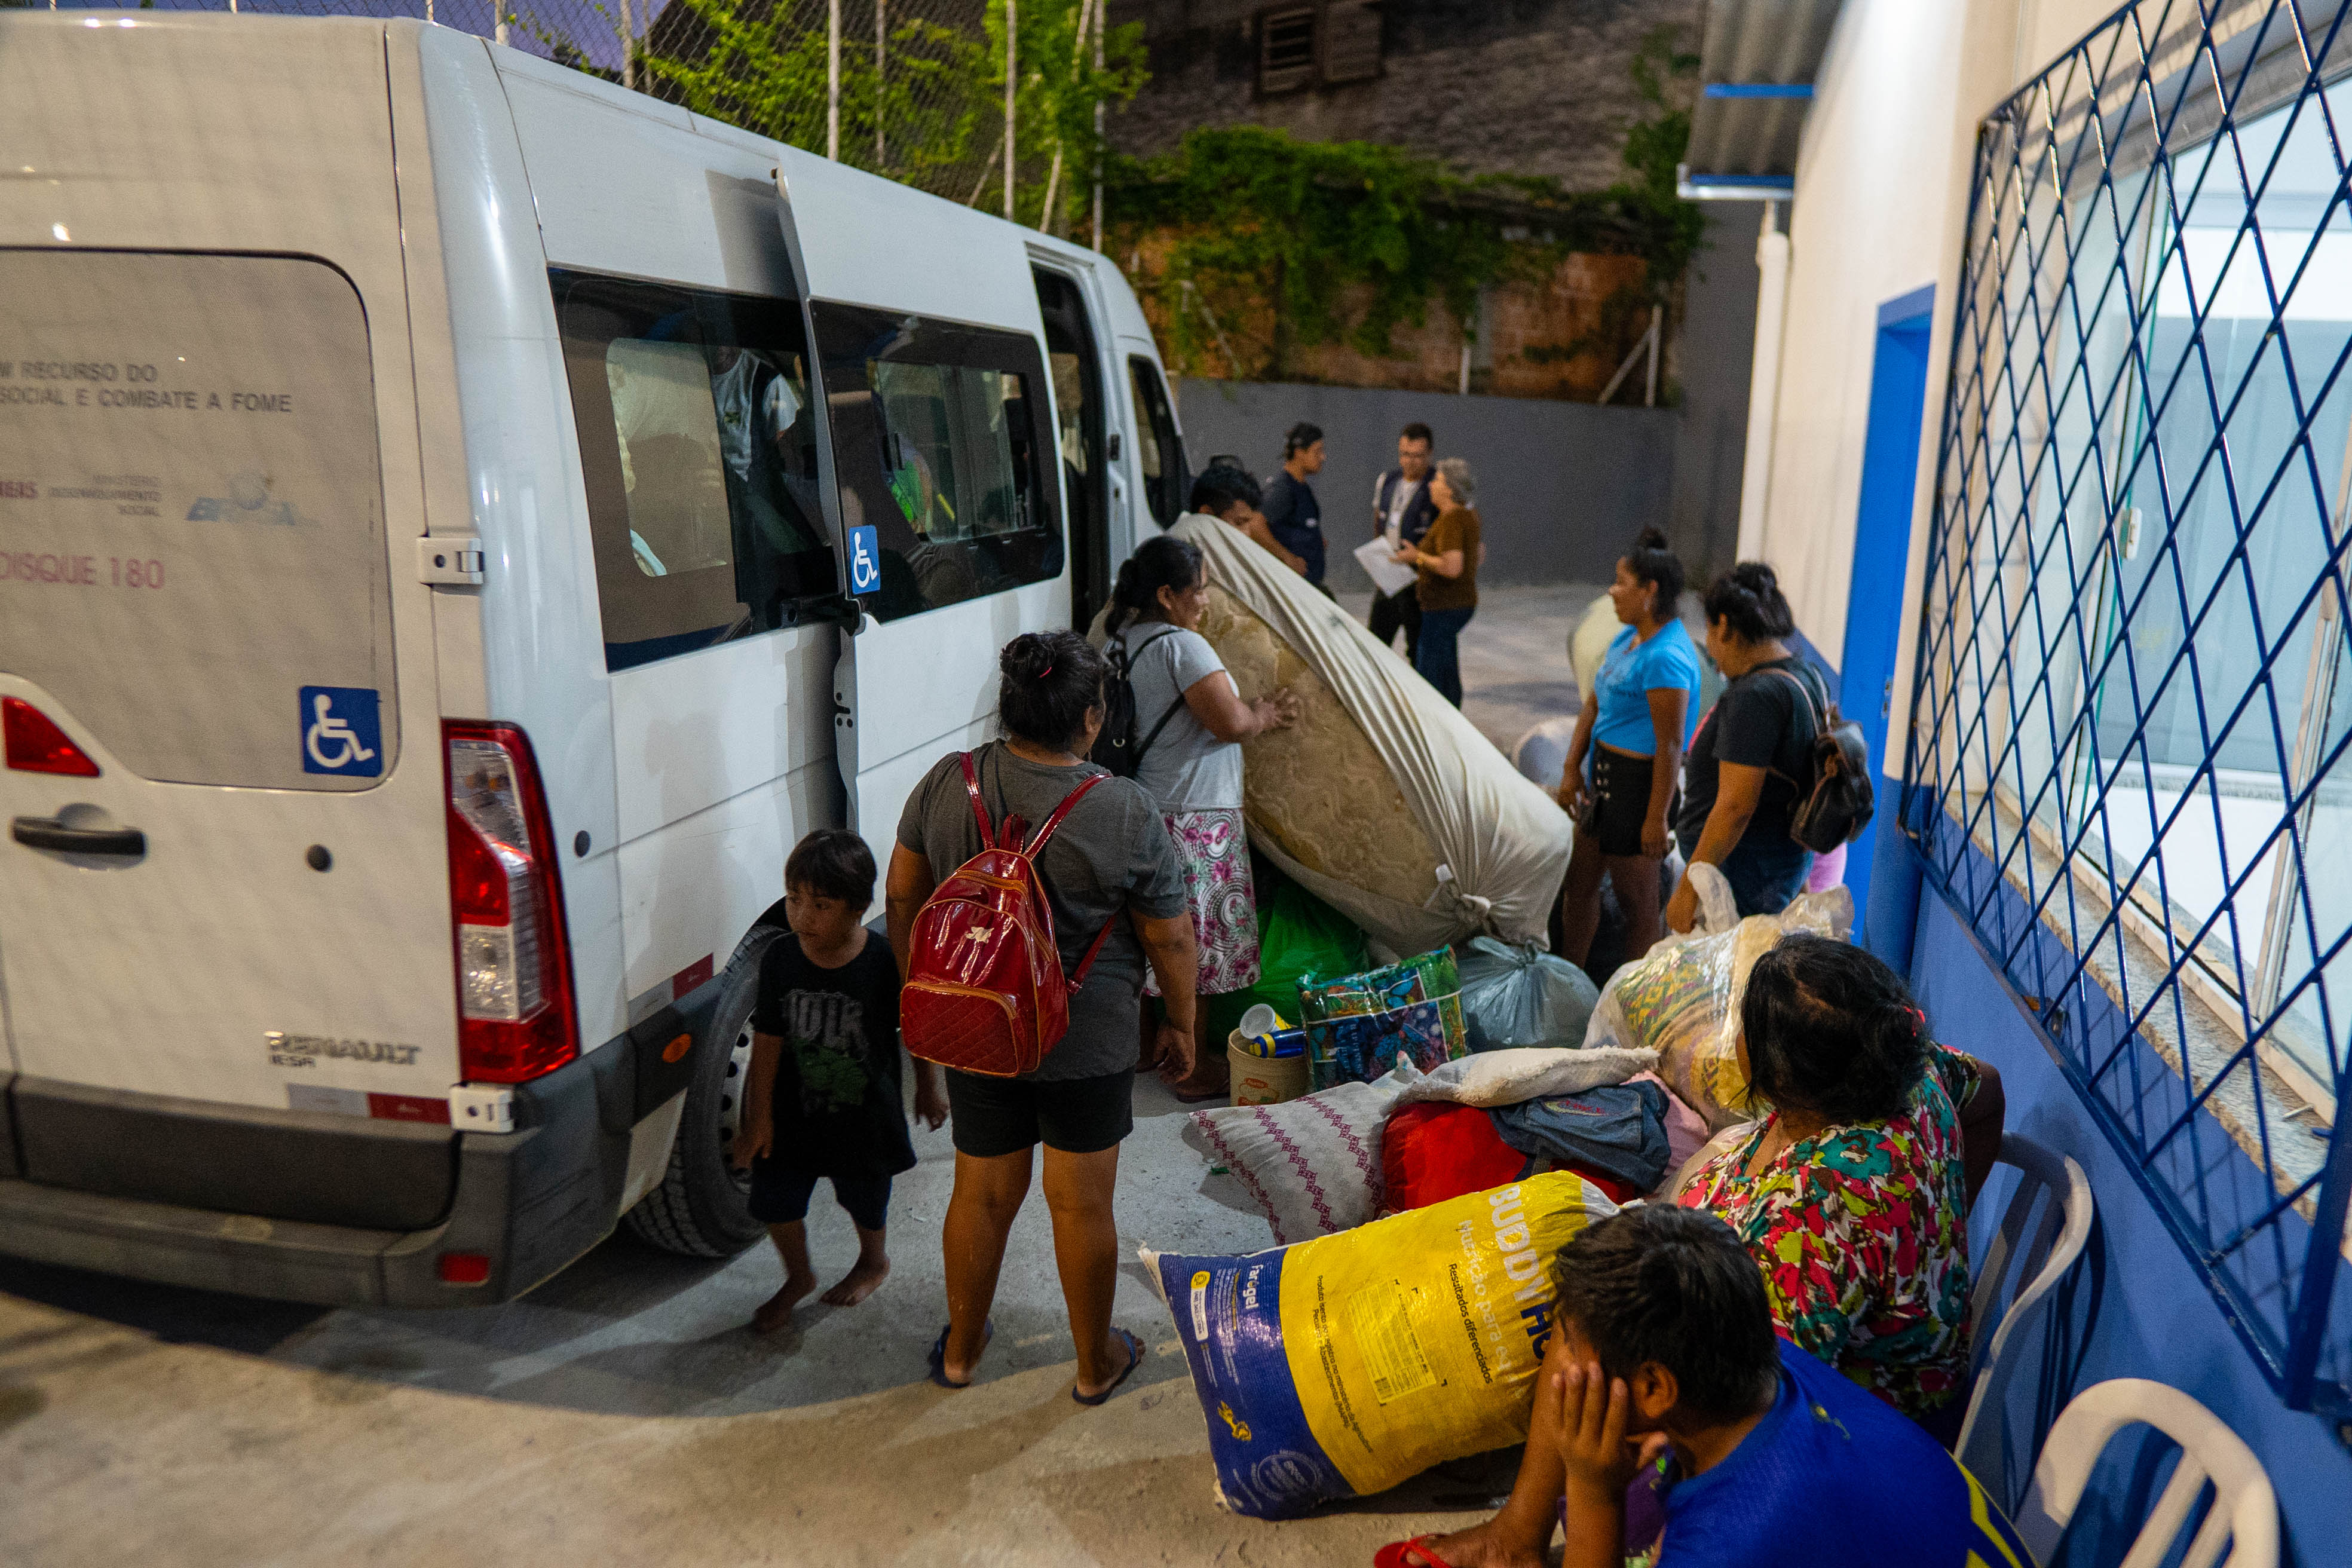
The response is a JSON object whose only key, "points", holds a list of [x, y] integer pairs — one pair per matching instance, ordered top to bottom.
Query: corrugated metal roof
{"points": [[1757, 63]]}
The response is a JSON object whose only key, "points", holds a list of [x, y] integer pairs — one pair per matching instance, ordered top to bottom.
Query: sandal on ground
{"points": [[938, 1357], [1134, 1360], [1393, 1555]]}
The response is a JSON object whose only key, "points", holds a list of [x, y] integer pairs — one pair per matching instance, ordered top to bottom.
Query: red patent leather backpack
{"points": [[985, 992]]}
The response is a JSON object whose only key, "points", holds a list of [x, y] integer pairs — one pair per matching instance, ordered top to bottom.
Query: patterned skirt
{"points": [[1215, 852]]}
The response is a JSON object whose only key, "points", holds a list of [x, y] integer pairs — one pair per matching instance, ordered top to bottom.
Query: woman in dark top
{"points": [[1739, 781], [1111, 860]]}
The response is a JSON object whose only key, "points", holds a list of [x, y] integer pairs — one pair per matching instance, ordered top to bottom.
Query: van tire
{"points": [[702, 1206]]}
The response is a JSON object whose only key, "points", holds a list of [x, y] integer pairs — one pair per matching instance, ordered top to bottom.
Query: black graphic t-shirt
{"points": [[837, 1106]]}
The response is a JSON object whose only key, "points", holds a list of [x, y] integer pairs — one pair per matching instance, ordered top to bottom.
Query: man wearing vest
{"points": [[1401, 513]]}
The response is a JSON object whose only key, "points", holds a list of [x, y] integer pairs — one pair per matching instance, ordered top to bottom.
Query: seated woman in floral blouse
{"points": [[1852, 1195]]}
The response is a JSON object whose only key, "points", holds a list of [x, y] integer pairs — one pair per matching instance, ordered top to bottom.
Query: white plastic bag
{"points": [[1682, 998]]}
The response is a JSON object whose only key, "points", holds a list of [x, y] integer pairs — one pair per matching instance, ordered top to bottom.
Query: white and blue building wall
{"points": [[1876, 231]]}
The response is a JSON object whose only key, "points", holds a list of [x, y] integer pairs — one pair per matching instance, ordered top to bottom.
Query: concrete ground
{"points": [[624, 1412]]}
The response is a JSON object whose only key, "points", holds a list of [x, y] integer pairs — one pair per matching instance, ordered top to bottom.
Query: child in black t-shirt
{"points": [[823, 1096]]}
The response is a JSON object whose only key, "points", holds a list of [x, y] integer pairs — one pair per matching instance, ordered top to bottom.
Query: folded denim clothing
{"points": [[1619, 1130]]}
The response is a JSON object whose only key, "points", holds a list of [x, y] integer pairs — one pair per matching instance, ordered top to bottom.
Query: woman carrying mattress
{"points": [[1190, 721]]}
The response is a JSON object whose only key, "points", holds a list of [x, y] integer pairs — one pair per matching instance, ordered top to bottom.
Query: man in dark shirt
{"points": [[1291, 509], [1401, 513]]}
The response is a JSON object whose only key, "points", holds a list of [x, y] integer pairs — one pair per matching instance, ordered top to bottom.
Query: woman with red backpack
{"points": [[1114, 895]]}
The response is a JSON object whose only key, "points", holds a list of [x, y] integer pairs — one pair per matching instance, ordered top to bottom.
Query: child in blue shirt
{"points": [[1664, 1350]]}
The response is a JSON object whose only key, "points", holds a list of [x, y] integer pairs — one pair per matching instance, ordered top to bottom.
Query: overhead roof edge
{"points": [[1758, 61]]}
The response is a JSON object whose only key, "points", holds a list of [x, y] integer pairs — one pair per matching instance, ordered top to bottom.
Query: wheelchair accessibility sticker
{"points": [[865, 559], [341, 733]]}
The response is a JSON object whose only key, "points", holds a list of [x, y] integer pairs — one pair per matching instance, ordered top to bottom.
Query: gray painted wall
{"points": [[1562, 487]]}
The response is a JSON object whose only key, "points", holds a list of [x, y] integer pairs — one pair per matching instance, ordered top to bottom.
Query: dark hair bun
{"points": [[1162, 561], [1652, 562], [1749, 598], [1026, 656], [1052, 681]]}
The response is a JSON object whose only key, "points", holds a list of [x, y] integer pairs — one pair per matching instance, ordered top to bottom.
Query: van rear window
{"points": [[698, 448], [192, 535]]}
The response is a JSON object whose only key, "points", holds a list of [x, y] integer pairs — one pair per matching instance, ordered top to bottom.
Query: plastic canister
{"points": [[1262, 1077]]}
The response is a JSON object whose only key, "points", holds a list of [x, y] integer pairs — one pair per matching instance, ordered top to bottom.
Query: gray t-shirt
{"points": [[1187, 768], [1111, 854]]}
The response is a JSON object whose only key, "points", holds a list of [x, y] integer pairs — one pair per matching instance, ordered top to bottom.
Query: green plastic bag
{"points": [[1298, 935]]}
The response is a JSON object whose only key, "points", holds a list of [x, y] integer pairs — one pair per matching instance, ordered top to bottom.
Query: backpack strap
{"points": [[1805, 695], [1812, 710], [1137, 761], [979, 809], [1061, 811], [1078, 975]]}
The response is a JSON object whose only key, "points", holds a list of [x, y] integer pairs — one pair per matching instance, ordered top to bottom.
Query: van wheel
{"points": [[702, 1209]]}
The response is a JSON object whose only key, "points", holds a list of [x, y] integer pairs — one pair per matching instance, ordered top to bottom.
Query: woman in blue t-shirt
{"points": [[1631, 734]]}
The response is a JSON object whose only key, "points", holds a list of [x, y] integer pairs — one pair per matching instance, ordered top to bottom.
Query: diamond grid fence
{"points": [[918, 95], [2134, 686]]}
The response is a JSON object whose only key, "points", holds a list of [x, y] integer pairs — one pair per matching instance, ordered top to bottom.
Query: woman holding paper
{"points": [[1447, 560]]}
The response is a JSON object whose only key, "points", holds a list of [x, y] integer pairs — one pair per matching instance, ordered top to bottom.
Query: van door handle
{"points": [[48, 833]]}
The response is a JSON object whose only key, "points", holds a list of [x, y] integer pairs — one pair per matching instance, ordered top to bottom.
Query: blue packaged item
{"points": [[1364, 1047]]}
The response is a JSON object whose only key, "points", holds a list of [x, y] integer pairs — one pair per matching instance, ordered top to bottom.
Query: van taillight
{"points": [[35, 744], [515, 1015]]}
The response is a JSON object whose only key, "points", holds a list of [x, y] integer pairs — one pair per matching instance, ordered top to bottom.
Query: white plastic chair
{"points": [[2041, 1235], [2244, 1512]]}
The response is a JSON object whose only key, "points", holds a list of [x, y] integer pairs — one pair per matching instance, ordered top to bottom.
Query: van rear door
{"points": [[211, 893]]}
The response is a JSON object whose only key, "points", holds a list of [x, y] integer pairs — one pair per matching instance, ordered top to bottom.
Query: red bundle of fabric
{"points": [[1434, 1151]]}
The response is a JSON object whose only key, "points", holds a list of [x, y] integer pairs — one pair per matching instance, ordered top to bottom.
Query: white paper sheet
{"points": [[1388, 574]]}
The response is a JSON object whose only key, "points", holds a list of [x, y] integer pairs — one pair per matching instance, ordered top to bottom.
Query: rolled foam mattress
{"points": [[1383, 800]]}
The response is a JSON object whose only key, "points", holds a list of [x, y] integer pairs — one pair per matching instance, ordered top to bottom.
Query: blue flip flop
{"points": [[939, 1355], [1134, 1360]]}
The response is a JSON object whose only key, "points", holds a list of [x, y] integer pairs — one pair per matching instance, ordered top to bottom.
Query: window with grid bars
{"points": [[2135, 687]]}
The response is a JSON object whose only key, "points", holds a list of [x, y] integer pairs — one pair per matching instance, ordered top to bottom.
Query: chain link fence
{"points": [[913, 89]]}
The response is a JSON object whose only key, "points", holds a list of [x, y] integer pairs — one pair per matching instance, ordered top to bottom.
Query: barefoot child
{"points": [[821, 1099], [1664, 1350]]}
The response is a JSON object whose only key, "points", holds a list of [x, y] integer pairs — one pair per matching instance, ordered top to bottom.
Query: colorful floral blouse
{"points": [[1864, 1236]]}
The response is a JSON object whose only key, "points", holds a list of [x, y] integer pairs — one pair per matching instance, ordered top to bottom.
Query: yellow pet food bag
{"points": [[1342, 1365]]}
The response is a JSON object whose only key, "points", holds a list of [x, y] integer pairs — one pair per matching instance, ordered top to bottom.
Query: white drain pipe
{"points": [[1763, 381]]}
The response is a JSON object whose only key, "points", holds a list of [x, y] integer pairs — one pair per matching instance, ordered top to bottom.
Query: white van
{"points": [[460, 524]]}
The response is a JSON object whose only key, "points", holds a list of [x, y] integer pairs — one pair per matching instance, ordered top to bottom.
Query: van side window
{"points": [[698, 441], [1158, 446], [937, 448]]}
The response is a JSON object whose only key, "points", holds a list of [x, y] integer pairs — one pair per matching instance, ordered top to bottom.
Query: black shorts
{"points": [[1621, 799], [994, 1116], [781, 1195]]}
